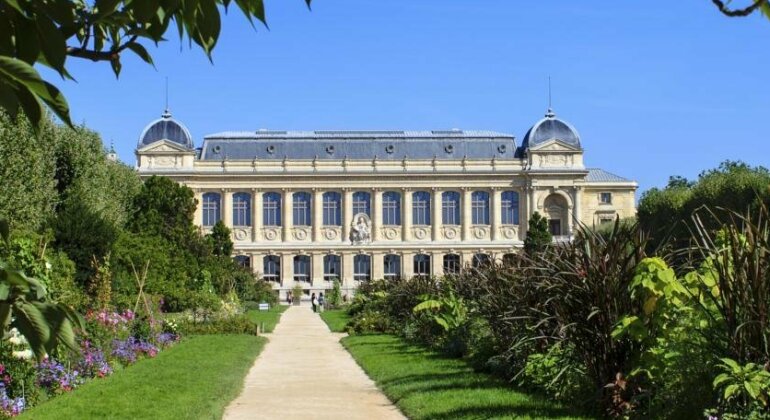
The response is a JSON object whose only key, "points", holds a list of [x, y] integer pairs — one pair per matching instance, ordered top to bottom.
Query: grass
{"points": [[267, 319], [336, 319], [195, 379], [426, 385]]}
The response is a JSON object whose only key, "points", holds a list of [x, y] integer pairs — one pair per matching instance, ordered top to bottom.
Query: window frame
{"points": [[602, 201], [362, 204], [421, 206], [509, 207], [332, 208], [391, 208], [480, 208], [241, 209], [271, 209], [302, 209], [455, 210], [207, 211], [332, 261], [388, 261], [299, 262], [446, 262], [358, 265], [421, 265], [274, 274]]}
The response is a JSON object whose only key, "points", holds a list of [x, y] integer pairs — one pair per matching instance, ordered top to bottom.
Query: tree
{"points": [[48, 32], [165, 208], [538, 236], [219, 238]]}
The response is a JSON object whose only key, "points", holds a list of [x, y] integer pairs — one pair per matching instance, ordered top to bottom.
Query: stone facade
{"points": [[346, 211]]}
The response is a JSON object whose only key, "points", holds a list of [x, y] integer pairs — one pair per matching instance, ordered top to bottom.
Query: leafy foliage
{"points": [[36, 31], [538, 236], [219, 239]]}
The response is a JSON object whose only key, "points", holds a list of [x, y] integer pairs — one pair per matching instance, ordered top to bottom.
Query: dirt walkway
{"points": [[305, 373]]}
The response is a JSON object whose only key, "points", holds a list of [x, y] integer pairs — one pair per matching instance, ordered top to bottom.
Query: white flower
{"points": [[48, 265], [15, 340], [23, 354]]}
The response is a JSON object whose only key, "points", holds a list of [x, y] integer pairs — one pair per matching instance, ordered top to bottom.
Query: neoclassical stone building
{"points": [[309, 207]]}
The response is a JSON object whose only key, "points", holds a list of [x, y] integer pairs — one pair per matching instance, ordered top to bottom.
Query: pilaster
{"points": [[496, 204], [227, 207], [317, 212], [256, 214], [347, 214], [406, 214], [466, 214], [376, 215], [198, 218], [287, 221], [436, 221], [257, 264], [407, 264], [437, 264], [378, 266], [287, 269], [317, 269], [347, 270]]}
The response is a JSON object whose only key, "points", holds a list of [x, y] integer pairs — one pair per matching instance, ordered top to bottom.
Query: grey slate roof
{"points": [[165, 128], [550, 128], [385, 145], [600, 175]]}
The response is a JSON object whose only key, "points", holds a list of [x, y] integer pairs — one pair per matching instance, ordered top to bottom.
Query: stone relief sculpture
{"points": [[361, 229]]}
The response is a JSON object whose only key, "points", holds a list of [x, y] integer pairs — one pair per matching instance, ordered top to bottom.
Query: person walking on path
{"points": [[288, 297], [314, 301], [321, 302]]}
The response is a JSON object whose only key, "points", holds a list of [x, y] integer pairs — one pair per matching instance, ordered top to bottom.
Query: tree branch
{"points": [[738, 12], [94, 55]]}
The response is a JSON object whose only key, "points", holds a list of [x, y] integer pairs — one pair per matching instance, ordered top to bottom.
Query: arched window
{"points": [[212, 203], [362, 203], [510, 203], [480, 207], [391, 208], [421, 208], [450, 208], [241, 209], [271, 209], [301, 209], [332, 209], [481, 260], [243, 261], [452, 264], [422, 265], [392, 266], [332, 267], [362, 267], [302, 268], [271, 270]]}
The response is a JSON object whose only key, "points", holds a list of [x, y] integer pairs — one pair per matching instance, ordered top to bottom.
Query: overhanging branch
{"points": [[738, 12]]}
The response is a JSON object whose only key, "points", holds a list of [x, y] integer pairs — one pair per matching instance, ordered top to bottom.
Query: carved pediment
{"points": [[554, 145], [164, 147]]}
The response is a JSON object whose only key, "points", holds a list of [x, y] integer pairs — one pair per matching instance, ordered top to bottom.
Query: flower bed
{"points": [[112, 340]]}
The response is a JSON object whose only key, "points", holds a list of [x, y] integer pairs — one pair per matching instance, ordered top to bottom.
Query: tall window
{"points": [[212, 203], [332, 203], [361, 203], [510, 203], [480, 207], [391, 208], [421, 208], [450, 208], [242, 209], [271, 209], [301, 209], [481, 260], [243, 261], [452, 264], [422, 265], [331, 267], [362, 267], [392, 267], [302, 268], [271, 270]]}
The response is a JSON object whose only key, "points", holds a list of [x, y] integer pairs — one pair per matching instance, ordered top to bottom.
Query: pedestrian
{"points": [[288, 297], [314, 302], [321, 302]]}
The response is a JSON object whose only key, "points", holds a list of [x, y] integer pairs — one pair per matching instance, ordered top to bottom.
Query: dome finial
{"points": [[166, 113], [549, 113]]}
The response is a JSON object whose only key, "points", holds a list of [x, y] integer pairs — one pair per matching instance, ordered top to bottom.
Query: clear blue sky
{"points": [[654, 89]]}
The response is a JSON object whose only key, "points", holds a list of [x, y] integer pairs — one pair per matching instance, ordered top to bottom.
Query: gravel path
{"points": [[305, 373]]}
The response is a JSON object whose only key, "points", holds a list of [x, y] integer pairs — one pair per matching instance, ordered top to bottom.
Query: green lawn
{"points": [[336, 319], [267, 320], [195, 379], [426, 385]]}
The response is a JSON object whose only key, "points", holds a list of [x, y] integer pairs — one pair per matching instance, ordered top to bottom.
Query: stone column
{"points": [[578, 198], [227, 207], [317, 212], [496, 212], [347, 213], [256, 214], [406, 214], [466, 214], [524, 214], [376, 215], [198, 221], [287, 221], [436, 221], [466, 259], [257, 264], [407, 264], [437, 264], [378, 266], [317, 269], [287, 270], [346, 277]]}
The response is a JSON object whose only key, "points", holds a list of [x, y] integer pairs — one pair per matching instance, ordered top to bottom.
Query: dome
{"points": [[166, 128], [550, 128]]}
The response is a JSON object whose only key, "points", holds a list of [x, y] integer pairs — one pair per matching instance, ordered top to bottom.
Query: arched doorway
{"points": [[556, 210]]}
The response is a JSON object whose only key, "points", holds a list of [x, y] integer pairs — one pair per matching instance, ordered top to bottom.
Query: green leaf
{"points": [[52, 44], [139, 50], [28, 80], [5, 231], [428, 305], [33, 326], [731, 364], [720, 379], [752, 388], [731, 390]]}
